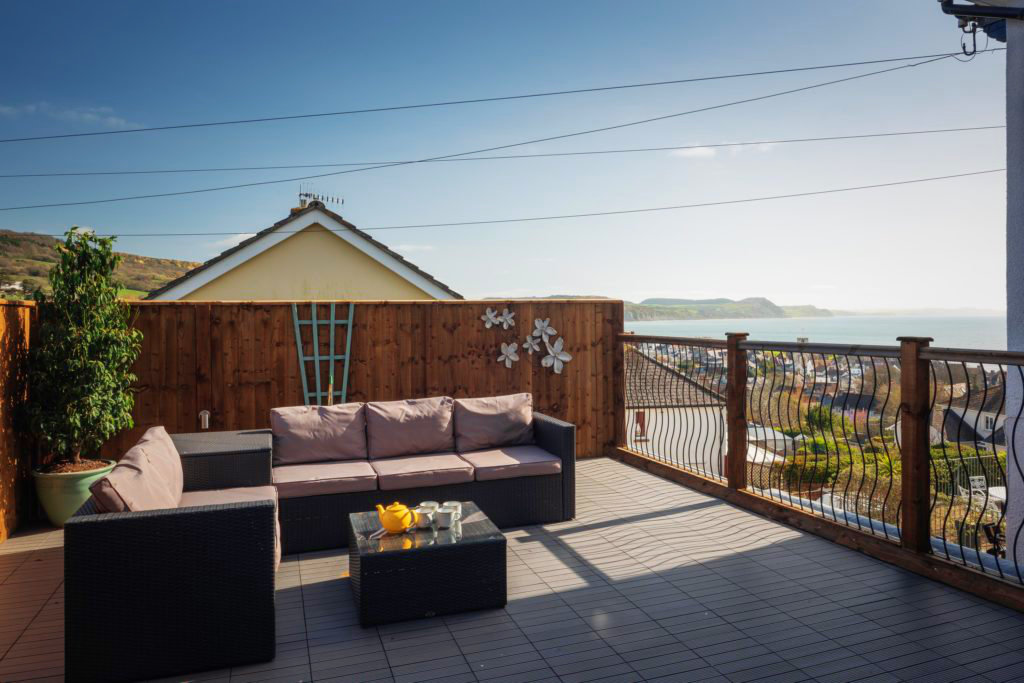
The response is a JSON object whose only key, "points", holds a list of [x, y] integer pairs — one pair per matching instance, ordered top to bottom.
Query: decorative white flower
{"points": [[490, 318], [506, 319], [543, 329], [531, 344], [508, 354], [556, 357]]}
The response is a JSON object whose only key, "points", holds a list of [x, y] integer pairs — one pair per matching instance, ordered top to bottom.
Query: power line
{"points": [[480, 100], [861, 136], [495, 148], [594, 214]]}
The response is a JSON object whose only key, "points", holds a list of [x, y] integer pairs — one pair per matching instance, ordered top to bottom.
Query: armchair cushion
{"points": [[494, 421], [419, 425], [305, 434], [164, 457], [509, 462], [421, 470], [320, 478], [137, 483]]}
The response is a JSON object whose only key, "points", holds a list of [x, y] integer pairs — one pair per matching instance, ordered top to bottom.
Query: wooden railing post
{"points": [[736, 411], [915, 445]]}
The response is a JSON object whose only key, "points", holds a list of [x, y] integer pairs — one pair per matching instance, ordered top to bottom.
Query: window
{"points": [[990, 422]]}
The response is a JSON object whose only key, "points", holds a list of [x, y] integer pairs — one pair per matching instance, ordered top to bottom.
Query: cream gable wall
{"points": [[313, 263]]}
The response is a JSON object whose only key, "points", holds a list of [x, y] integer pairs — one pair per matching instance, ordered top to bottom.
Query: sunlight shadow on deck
{"points": [[651, 582]]}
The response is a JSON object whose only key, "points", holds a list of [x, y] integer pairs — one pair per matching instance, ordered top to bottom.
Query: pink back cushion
{"points": [[492, 422], [410, 427], [318, 433], [163, 456], [134, 485]]}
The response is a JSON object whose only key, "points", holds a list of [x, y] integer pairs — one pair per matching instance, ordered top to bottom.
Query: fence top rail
{"points": [[403, 302], [685, 341], [832, 349], [939, 353]]}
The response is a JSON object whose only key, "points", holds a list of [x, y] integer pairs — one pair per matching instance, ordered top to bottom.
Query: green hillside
{"points": [[26, 258], [696, 309]]}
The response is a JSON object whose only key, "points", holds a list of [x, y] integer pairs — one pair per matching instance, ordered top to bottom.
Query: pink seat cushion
{"points": [[494, 421], [410, 427], [318, 433], [508, 462], [421, 470], [319, 478], [136, 484], [245, 494]]}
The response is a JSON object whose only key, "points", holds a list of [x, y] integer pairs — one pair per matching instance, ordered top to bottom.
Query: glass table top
{"points": [[474, 527]]}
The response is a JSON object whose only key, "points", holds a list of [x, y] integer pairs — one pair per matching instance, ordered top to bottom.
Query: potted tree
{"points": [[80, 380]]}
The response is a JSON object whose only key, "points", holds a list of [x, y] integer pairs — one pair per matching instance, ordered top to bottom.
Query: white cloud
{"points": [[92, 116], [711, 152], [695, 153], [231, 240], [413, 248]]}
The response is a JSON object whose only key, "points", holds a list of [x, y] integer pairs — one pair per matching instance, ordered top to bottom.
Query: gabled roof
{"points": [[343, 229], [653, 384], [985, 399]]}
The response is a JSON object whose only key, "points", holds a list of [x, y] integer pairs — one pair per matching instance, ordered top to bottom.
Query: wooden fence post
{"points": [[619, 388], [736, 411], [915, 446]]}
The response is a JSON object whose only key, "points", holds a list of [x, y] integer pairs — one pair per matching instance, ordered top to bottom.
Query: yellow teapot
{"points": [[396, 518]]}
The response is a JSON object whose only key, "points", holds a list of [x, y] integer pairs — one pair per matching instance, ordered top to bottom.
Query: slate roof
{"points": [[313, 206], [652, 384], [983, 399]]}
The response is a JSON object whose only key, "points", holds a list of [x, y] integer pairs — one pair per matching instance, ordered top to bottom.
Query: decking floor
{"points": [[651, 582]]}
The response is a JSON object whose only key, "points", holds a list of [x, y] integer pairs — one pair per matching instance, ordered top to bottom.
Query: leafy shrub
{"points": [[82, 352]]}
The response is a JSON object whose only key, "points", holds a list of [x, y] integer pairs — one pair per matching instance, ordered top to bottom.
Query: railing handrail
{"points": [[626, 337], [833, 349], [932, 353], [986, 356]]}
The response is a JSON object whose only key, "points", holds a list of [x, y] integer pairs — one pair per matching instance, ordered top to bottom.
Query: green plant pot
{"points": [[62, 493]]}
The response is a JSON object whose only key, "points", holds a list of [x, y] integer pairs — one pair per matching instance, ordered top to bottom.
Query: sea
{"points": [[968, 332]]}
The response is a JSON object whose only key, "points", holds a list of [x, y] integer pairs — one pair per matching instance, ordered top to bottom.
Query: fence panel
{"points": [[15, 319], [238, 360]]}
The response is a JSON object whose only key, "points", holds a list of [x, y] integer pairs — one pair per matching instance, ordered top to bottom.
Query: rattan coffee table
{"points": [[426, 572]]}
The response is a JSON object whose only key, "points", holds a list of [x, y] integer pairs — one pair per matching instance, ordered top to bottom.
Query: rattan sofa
{"points": [[318, 522], [191, 588], [163, 592]]}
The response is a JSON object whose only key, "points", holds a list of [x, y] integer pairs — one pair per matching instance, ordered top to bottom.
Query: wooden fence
{"points": [[15, 318], [238, 360]]}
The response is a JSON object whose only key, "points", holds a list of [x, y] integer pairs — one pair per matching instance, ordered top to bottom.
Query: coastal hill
{"points": [[26, 259], [697, 309]]}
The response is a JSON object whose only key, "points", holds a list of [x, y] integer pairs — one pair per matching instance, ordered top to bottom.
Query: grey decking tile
{"points": [[658, 598]]}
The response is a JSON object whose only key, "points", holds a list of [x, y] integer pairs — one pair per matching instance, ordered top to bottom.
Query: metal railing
{"points": [[675, 402], [820, 430], [914, 445], [975, 479]]}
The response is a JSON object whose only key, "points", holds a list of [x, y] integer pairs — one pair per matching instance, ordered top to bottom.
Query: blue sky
{"points": [[72, 67]]}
